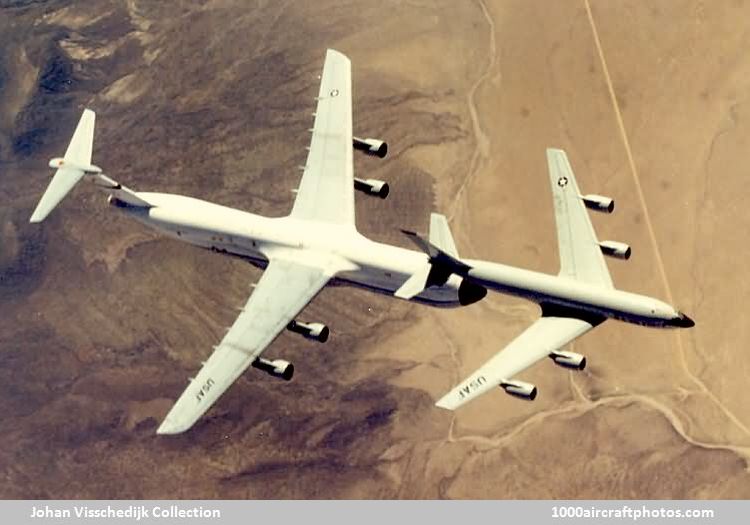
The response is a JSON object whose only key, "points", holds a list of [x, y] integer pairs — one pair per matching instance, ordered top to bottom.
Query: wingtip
{"points": [[336, 52], [38, 216], [445, 404], [169, 427]]}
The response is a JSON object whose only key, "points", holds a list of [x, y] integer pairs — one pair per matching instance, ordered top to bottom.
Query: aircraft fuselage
{"points": [[374, 266], [380, 267]]}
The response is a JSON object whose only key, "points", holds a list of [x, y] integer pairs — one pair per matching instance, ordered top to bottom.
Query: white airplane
{"points": [[318, 243], [301, 253], [581, 297]]}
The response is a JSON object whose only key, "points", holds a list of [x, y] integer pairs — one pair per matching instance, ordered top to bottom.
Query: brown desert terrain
{"points": [[102, 321]]}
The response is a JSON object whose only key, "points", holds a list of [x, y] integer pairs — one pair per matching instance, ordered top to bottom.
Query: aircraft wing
{"points": [[326, 192], [580, 255], [282, 292], [546, 335]]}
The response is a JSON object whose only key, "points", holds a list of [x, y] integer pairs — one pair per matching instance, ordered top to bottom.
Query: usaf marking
{"points": [[471, 386], [204, 390]]}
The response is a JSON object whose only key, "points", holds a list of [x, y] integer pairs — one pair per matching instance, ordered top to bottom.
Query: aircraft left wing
{"points": [[326, 192], [580, 255], [282, 292], [546, 335]]}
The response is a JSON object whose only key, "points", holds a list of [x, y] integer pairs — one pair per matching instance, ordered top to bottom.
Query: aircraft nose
{"points": [[683, 321]]}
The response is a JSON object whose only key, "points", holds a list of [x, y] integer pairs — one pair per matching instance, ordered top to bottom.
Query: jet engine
{"points": [[374, 147], [374, 187], [599, 203], [618, 250], [470, 292], [315, 331], [569, 360], [277, 368], [520, 389]]}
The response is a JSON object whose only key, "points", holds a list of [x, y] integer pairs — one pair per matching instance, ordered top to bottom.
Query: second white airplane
{"points": [[318, 242]]}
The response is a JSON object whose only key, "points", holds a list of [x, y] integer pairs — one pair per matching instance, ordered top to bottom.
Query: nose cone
{"points": [[683, 321]]}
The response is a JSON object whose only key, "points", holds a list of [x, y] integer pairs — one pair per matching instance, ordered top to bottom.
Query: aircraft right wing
{"points": [[580, 255], [282, 292], [545, 336]]}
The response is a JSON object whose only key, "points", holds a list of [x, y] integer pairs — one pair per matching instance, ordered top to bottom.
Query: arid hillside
{"points": [[102, 321]]}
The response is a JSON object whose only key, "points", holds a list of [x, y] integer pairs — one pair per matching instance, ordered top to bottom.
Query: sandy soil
{"points": [[103, 322]]}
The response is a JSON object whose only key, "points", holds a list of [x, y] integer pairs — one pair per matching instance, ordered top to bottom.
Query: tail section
{"points": [[81, 145], [74, 165], [71, 168], [440, 235], [443, 258]]}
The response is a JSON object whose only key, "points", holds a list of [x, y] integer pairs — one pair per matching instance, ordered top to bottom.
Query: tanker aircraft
{"points": [[573, 302]]}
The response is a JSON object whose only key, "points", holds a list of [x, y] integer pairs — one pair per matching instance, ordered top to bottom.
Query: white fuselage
{"points": [[368, 264], [380, 267], [566, 293]]}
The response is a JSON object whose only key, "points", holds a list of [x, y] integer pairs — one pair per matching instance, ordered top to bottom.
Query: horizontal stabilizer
{"points": [[78, 155], [61, 184], [415, 284]]}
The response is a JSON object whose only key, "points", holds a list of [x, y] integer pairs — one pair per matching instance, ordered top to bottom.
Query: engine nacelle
{"points": [[374, 147], [374, 187], [599, 203], [618, 250], [470, 292], [315, 331], [569, 359], [277, 368], [520, 389]]}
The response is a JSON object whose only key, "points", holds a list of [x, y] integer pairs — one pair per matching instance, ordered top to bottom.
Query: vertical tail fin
{"points": [[71, 168], [440, 235], [443, 258]]}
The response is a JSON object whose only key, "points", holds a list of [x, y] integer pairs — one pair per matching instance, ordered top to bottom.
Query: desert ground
{"points": [[102, 321]]}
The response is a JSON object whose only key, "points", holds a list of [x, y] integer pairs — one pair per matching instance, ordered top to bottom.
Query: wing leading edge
{"points": [[326, 192], [282, 292], [546, 335]]}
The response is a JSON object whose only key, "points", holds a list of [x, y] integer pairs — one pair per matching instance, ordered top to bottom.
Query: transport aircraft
{"points": [[317, 244]]}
